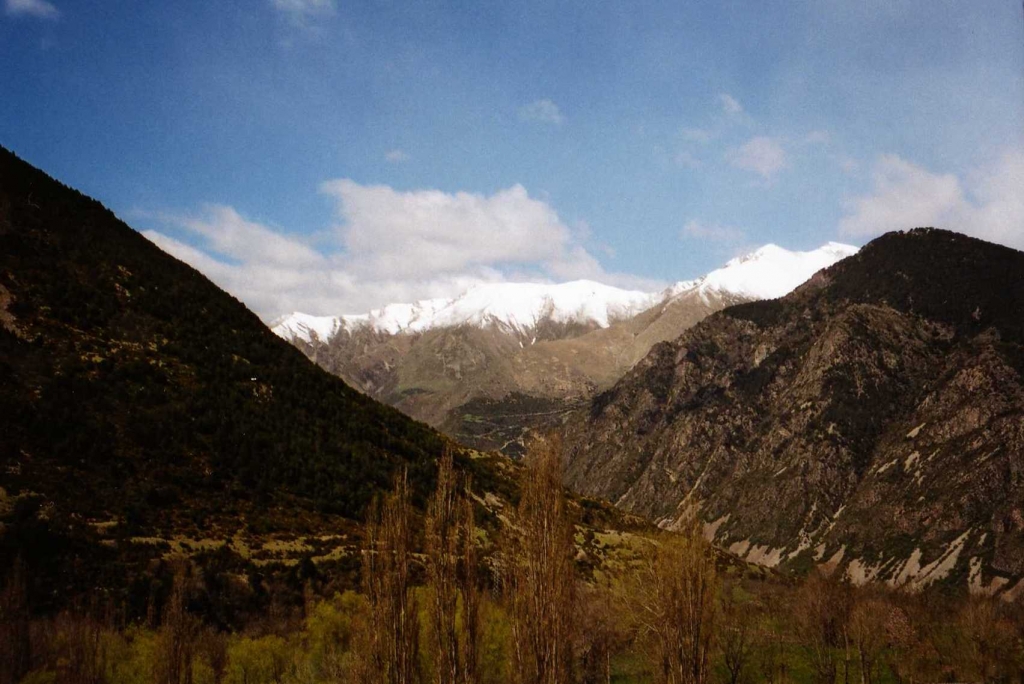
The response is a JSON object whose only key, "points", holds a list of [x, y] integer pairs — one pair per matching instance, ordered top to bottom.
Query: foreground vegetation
{"points": [[446, 615]]}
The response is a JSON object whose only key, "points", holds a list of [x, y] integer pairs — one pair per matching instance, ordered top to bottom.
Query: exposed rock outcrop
{"points": [[872, 420]]}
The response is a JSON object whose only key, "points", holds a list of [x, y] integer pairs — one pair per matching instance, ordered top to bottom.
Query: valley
{"points": [[511, 343], [472, 365]]}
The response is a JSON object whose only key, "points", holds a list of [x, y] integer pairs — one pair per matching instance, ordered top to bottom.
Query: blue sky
{"points": [[330, 156]]}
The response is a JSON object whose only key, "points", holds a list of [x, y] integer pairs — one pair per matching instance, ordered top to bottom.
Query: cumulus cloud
{"points": [[31, 8], [541, 111], [762, 155], [396, 156], [988, 205], [429, 231], [711, 232], [387, 246]]}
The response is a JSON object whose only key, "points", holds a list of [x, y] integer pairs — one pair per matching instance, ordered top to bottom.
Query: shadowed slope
{"points": [[873, 418]]}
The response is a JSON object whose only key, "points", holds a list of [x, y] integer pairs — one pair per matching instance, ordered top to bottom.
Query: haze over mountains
{"points": [[501, 359]]}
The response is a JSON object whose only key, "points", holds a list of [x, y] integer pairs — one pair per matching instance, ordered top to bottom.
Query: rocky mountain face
{"points": [[502, 360], [871, 421]]}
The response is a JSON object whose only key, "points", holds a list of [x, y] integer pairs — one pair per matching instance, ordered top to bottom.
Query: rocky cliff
{"points": [[872, 420]]}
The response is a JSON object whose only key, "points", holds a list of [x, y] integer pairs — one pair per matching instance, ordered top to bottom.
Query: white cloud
{"points": [[32, 8], [302, 12], [730, 105], [542, 111], [697, 135], [818, 137], [762, 155], [396, 156], [687, 160], [849, 165], [989, 206], [429, 231], [713, 232], [231, 235], [388, 246]]}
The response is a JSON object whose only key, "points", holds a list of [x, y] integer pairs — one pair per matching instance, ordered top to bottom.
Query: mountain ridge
{"points": [[766, 273], [108, 374], [491, 382], [870, 421]]}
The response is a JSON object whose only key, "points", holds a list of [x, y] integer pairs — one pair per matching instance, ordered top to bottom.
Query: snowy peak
{"points": [[771, 271], [767, 273], [522, 306], [517, 307], [300, 326]]}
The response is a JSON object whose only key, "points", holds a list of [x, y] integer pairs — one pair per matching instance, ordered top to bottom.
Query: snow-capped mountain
{"points": [[767, 273], [514, 307], [501, 360]]}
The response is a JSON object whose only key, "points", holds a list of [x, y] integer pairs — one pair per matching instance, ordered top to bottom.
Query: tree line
{"points": [[434, 610]]}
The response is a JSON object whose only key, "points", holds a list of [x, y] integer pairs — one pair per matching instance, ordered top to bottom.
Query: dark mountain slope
{"points": [[134, 387], [147, 417], [874, 418]]}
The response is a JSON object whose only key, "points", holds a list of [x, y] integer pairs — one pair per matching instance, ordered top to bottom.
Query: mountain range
{"points": [[503, 359], [147, 416], [872, 421]]}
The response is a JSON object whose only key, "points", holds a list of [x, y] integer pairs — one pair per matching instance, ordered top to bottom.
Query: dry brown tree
{"points": [[442, 547], [452, 572], [538, 573], [673, 601], [821, 615], [603, 631], [868, 632], [393, 633], [15, 635], [178, 636], [736, 637], [769, 638], [213, 647], [984, 647], [469, 651], [79, 655]]}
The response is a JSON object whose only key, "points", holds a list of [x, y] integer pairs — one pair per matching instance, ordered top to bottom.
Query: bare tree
{"points": [[442, 546], [538, 573], [674, 603], [821, 610], [393, 630], [603, 632], [179, 634], [15, 635], [868, 635], [736, 637], [768, 637], [985, 640], [903, 643], [213, 645], [469, 651], [80, 656]]}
